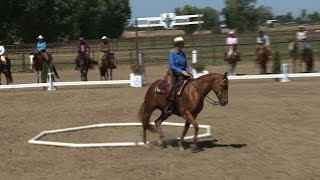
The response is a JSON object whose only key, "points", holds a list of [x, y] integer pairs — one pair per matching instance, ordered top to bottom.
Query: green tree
{"points": [[244, 15], [210, 18], [59, 19]]}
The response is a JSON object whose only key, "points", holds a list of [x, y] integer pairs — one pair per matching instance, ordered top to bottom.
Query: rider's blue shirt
{"points": [[41, 46], [178, 61]]}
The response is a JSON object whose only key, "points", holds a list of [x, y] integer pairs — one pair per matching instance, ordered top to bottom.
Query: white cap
{"points": [[301, 26], [231, 32], [40, 37], [105, 37], [178, 39]]}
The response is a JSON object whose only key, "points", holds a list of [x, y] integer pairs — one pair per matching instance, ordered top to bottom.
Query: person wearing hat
{"points": [[302, 37], [263, 39], [232, 42], [41, 47], [83, 49], [105, 49], [2, 51], [178, 67]]}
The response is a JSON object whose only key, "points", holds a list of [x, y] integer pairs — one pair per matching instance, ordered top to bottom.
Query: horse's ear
{"points": [[225, 75]]}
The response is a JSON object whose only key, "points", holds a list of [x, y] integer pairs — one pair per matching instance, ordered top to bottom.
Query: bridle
{"points": [[208, 99]]}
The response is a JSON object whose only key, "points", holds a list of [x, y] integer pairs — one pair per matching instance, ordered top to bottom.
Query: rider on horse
{"points": [[302, 37], [263, 40], [232, 43], [41, 47], [83, 49], [106, 49], [2, 57], [177, 68]]}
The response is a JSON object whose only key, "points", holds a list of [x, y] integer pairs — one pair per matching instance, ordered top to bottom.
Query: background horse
{"points": [[263, 54], [299, 55], [232, 58], [40, 64], [83, 66], [106, 66], [6, 70], [188, 105]]}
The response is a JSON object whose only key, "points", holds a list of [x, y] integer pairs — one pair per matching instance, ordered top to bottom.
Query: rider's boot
{"points": [[169, 107]]}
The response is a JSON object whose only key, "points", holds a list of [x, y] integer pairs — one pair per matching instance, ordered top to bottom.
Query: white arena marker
{"points": [[35, 140]]}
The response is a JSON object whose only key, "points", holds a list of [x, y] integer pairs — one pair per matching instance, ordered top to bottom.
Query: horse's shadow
{"points": [[201, 145]]}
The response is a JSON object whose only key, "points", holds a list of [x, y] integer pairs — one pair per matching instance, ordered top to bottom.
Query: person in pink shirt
{"points": [[231, 42]]}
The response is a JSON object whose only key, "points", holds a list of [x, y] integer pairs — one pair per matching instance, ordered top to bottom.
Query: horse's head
{"points": [[220, 87]]}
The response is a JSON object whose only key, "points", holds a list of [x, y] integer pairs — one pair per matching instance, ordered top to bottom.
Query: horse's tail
{"points": [[55, 71], [10, 79], [145, 118]]}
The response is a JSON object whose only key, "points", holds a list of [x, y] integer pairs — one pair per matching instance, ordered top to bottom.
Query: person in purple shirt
{"points": [[83, 48], [178, 67]]}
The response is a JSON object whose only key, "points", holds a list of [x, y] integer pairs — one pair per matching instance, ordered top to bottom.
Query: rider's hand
{"points": [[185, 73]]}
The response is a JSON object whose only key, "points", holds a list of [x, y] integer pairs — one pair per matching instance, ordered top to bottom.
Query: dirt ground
{"points": [[269, 130]]}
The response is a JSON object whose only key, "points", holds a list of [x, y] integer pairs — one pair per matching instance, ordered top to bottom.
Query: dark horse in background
{"points": [[300, 55], [232, 56], [263, 56], [84, 63], [108, 64], [43, 65], [5, 68], [188, 105]]}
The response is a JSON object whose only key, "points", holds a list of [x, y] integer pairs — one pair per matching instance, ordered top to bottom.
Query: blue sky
{"points": [[150, 8]]}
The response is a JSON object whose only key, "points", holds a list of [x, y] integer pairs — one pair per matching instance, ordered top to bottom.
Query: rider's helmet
{"points": [[40, 37], [105, 38]]}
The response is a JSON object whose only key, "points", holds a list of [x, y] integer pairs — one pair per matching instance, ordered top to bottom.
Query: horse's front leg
{"points": [[107, 74], [111, 74], [190, 119], [184, 132]]}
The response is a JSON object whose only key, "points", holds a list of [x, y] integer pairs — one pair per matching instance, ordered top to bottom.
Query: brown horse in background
{"points": [[300, 55], [232, 56], [263, 56], [108, 64], [43, 65], [83, 66], [5, 68], [188, 105]]}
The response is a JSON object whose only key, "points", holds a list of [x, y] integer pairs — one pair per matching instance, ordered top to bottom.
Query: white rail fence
{"points": [[138, 80]]}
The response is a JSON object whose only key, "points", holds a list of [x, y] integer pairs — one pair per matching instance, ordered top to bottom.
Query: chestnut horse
{"points": [[300, 55], [232, 56], [263, 56], [40, 64], [106, 65], [5, 68], [188, 105]]}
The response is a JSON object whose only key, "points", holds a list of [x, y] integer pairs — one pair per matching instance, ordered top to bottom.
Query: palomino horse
{"points": [[263, 55], [300, 55], [232, 56], [40, 64], [106, 65], [83, 66], [5, 68], [188, 105]]}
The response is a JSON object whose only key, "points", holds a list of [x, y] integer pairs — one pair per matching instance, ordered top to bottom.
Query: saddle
{"points": [[162, 86]]}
